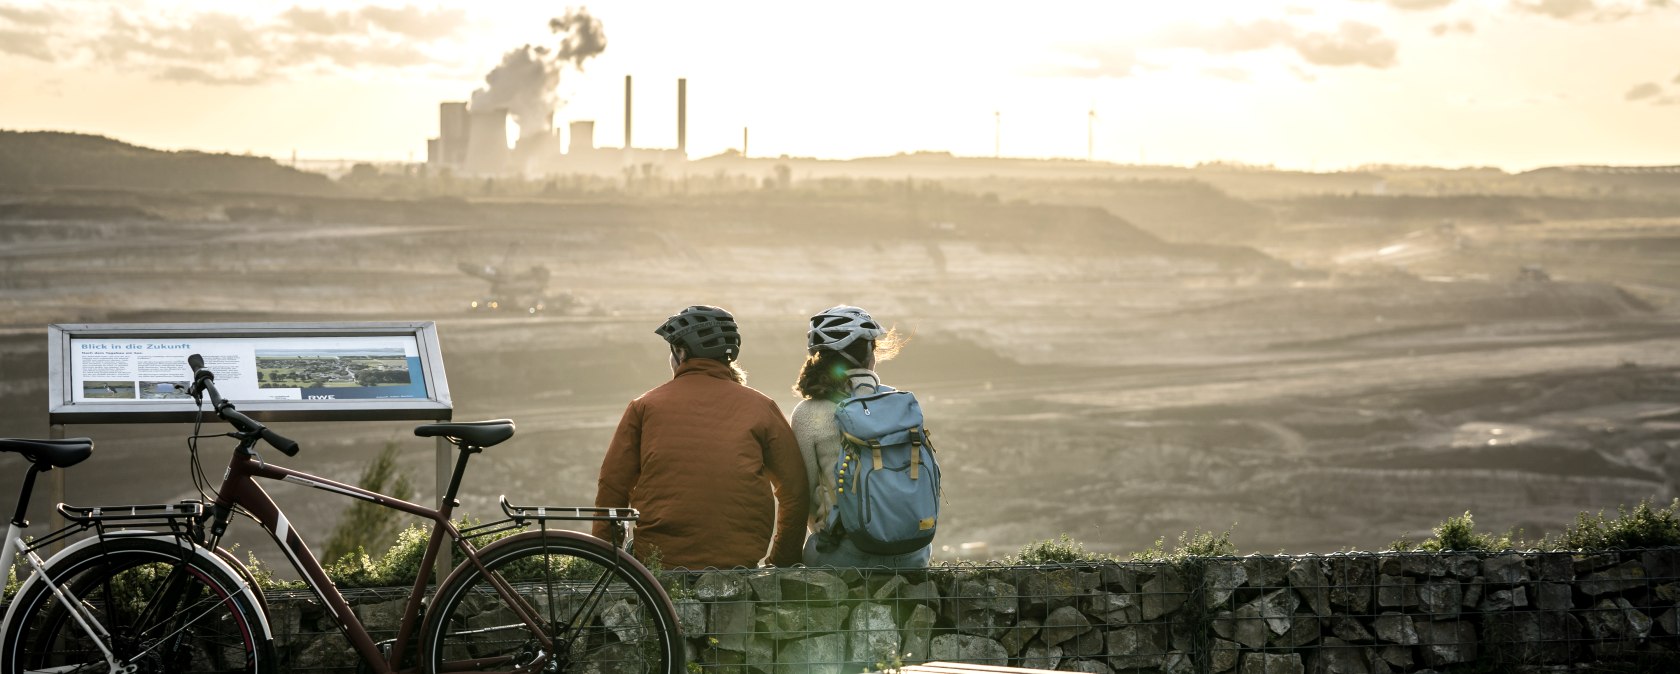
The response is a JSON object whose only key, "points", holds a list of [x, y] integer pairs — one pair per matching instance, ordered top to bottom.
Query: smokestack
{"points": [[682, 116], [743, 142], [627, 144]]}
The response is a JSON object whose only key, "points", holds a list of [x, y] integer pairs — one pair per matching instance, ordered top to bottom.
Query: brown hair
{"points": [[823, 376]]}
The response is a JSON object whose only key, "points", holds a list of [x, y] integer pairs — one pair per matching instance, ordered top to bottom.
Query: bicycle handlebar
{"points": [[205, 381]]}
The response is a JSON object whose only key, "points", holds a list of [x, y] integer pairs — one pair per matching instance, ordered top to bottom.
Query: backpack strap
{"points": [[875, 450]]}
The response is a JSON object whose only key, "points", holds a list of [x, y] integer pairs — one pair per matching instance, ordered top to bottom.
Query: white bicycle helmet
{"points": [[838, 327]]}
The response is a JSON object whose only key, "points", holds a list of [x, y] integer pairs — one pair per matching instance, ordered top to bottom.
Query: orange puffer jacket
{"points": [[713, 468]]}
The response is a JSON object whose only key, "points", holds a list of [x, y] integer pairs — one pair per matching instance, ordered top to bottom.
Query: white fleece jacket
{"points": [[819, 443]]}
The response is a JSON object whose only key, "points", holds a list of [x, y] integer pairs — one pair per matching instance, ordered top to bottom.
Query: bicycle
{"points": [[542, 600]]}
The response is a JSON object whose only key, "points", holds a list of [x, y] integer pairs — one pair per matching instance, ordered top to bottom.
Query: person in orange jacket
{"points": [[711, 463]]}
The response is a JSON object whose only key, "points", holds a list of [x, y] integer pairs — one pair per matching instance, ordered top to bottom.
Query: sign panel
{"points": [[316, 371]]}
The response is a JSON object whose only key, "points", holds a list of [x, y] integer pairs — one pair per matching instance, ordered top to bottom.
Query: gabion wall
{"points": [[1335, 614]]}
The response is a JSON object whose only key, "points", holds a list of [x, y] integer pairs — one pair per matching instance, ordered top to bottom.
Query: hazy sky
{"points": [[1511, 83]]}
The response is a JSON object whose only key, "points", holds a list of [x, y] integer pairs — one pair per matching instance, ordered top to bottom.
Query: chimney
{"points": [[682, 116], [583, 137], [743, 142], [627, 144]]}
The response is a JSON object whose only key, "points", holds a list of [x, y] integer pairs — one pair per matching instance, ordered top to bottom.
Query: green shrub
{"points": [[366, 523], [1644, 527], [1458, 533], [1190, 544], [1062, 550]]}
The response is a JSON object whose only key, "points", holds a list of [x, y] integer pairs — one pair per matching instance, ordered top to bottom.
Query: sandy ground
{"points": [[1105, 386]]}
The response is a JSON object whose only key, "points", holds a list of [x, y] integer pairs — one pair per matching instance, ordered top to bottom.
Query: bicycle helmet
{"points": [[838, 327], [704, 331]]}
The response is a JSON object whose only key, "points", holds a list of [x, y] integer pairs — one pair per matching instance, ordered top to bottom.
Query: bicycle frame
{"points": [[239, 488]]}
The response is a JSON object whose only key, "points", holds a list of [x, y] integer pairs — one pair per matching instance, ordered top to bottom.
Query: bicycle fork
{"points": [[84, 619]]}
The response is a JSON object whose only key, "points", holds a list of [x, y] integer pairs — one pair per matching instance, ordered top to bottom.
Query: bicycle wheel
{"points": [[165, 608], [602, 611]]}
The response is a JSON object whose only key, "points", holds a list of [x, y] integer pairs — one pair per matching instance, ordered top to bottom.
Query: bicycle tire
{"points": [[199, 622], [627, 627]]}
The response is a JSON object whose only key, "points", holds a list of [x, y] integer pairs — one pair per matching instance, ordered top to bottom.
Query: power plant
{"points": [[474, 142]]}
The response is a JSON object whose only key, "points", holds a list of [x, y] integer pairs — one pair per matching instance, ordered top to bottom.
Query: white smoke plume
{"points": [[528, 78]]}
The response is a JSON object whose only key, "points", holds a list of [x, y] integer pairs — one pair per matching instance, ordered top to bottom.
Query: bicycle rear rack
{"points": [[520, 516], [183, 519]]}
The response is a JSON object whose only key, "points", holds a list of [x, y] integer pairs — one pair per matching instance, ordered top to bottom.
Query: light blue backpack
{"points": [[887, 502]]}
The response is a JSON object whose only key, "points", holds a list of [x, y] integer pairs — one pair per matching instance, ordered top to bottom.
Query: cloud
{"points": [[1416, 5], [1558, 9], [1593, 10], [1445, 28], [1352, 44], [218, 48], [1107, 60], [1228, 73], [1676, 80], [1642, 92]]}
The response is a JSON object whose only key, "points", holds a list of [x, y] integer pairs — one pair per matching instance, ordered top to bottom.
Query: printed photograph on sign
{"points": [[332, 368], [108, 389], [164, 390]]}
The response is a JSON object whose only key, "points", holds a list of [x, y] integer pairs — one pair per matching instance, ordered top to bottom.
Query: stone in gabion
{"points": [[1586, 562], [1663, 566], [1461, 567], [1554, 568], [1505, 569], [1265, 572], [1118, 577], [1307, 577], [1222, 578], [1351, 579], [1615, 579], [765, 585], [810, 585], [720, 586], [889, 588], [1045, 591], [1396, 591], [1668, 591], [926, 593], [1472, 593], [1163, 594], [990, 595], [1553, 596], [1440, 598], [1505, 600], [1278, 608], [1114, 609], [381, 615], [691, 615], [1613, 619], [625, 620], [797, 621], [1669, 621], [731, 624], [1063, 624], [1247, 626], [1395, 628], [1303, 630], [1349, 630], [918, 633], [873, 634], [1533, 637], [1015, 638], [1089, 643], [1446, 643], [1137, 646], [969, 648], [822, 654], [1040, 656], [1397, 656], [1223, 657], [1337, 657], [1178, 662], [1272, 663], [1086, 666]]}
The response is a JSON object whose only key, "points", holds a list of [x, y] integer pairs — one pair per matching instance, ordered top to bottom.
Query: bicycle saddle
{"points": [[475, 433], [57, 453]]}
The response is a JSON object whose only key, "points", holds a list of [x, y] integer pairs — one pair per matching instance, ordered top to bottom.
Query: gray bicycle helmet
{"points": [[838, 327], [704, 331]]}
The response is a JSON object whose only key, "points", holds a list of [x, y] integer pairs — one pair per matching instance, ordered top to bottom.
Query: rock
{"points": [[1586, 562], [1661, 563], [1416, 564], [1389, 565], [1460, 567], [1554, 567], [1505, 569], [1265, 573], [1119, 577], [1222, 577], [1307, 577], [1615, 579], [1351, 581], [765, 585], [811, 585], [720, 586], [889, 589], [1396, 591], [1042, 592], [1668, 592], [921, 593], [1473, 593], [1163, 594], [1554, 596], [1440, 598], [1505, 600], [982, 608], [1113, 608], [1278, 609], [381, 615], [691, 615], [624, 619], [797, 621], [1670, 622], [731, 624], [1063, 624], [1638, 624], [1247, 626], [1395, 628], [1303, 630], [1349, 630], [917, 635], [874, 637], [1534, 637], [1015, 639], [1446, 643], [1088, 644], [1137, 646], [969, 648], [821, 654], [1040, 656], [1224, 656], [1398, 656], [1337, 657], [1178, 662], [1272, 663], [1087, 666]]}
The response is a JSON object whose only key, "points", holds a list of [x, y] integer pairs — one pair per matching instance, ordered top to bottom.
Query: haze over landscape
{"points": [[1331, 272]]}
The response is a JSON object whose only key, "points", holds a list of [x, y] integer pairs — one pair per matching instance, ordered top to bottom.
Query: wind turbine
{"points": [[1091, 132]]}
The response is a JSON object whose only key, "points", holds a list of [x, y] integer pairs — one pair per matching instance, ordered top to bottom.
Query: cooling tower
{"points": [[452, 134], [583, 138], [487, 141]]}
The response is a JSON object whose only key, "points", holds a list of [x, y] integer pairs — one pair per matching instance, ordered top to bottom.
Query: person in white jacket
{"points": [[843, 346]]}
